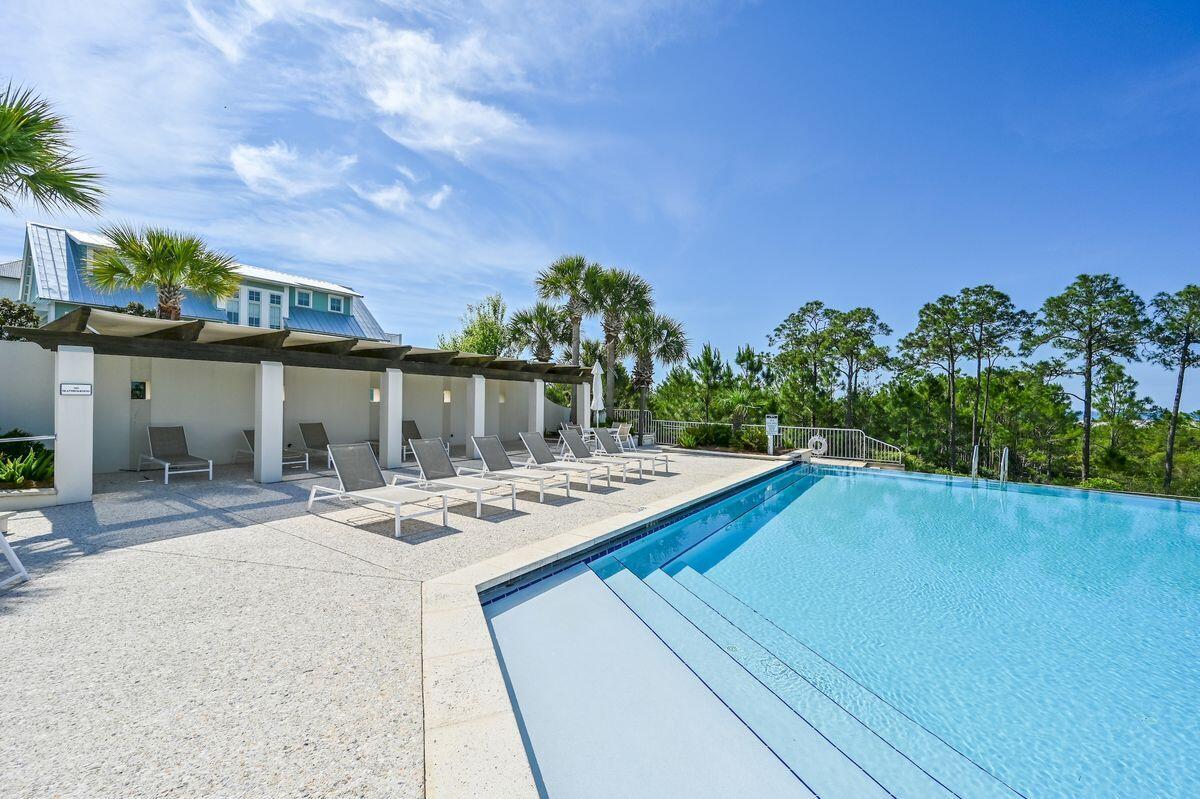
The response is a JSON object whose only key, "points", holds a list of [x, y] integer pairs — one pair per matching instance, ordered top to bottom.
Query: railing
{"points": [[838, 442]]}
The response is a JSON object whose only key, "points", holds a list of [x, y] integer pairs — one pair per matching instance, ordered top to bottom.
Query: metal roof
{"points": [[11, 269], [59, 273], [112, 333]]}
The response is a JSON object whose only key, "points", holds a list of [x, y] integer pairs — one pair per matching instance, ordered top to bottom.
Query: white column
{"points": [[74, 384], [585, 405], [537, 407], [477, 408], [391, 418], [268, 422]]}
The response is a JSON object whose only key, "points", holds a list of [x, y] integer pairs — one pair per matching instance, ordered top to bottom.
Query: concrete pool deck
{"points": [[213, 638]]}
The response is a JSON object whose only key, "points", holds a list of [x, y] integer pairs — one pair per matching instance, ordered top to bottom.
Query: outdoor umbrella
{"points": [[597, 388]]}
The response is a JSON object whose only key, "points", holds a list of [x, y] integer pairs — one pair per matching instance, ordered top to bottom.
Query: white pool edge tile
{"points": [[473, 746]]}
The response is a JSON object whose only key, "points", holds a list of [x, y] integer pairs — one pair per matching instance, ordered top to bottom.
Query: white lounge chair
{"points": [[410, 432], [624, 434], [314, 440], [610, 447], [169, 449], [577, 451], [541, 456], [290, 457], [498, 466], [437, 470], [360, 479], [19, 572]]}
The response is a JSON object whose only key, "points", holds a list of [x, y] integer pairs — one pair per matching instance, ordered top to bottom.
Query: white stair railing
{"points": [[830, 442]]}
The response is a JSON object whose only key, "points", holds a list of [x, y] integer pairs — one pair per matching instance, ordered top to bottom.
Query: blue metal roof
{"points": [[59, 266], [59, 270], [335, 324]]}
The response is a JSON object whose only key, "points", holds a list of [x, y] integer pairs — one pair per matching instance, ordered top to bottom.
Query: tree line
{"points": [[978, 371]]}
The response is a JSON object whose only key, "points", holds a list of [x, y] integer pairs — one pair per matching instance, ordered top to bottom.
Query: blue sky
{"points": [[744, 157]]}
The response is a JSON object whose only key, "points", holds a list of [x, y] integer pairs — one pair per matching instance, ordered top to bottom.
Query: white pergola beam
{"points": [[74, 381], [537, 407], [391, 419], [268, 422]]}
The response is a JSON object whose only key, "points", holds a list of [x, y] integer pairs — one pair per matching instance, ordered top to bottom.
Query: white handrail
{"points": [[840, 442], [975, 461], [1004, 466]]}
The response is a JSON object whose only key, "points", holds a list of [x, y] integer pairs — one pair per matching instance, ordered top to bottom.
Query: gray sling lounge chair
{"points": [[409, 432], [313, 439], [612, 448], [169, 449], [579, 452], [541, 456], [290, 457], [498, 466], [438, 471], [361, 479]]}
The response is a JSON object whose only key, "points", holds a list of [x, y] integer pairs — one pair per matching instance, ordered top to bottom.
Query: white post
{"points": [[74, 380], [537, 407], [478, 408], [391, 419], [586, 420], [268, 422]]}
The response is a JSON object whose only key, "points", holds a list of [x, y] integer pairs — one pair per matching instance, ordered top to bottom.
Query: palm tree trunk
{"points": [[170, 298], [576, 323], [610, 379], [642, 401], [1174, 426]]}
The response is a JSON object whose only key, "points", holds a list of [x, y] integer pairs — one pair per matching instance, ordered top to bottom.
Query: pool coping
{"points": [[473, 746]]}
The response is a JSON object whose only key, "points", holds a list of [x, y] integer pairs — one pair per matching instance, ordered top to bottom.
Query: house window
{"points": [[304, 299], [335, 304], [254, 308], [275, 310], [231, 315]]}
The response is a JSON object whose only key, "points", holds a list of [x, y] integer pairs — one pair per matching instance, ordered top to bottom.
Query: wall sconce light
{"points": [[374, 395], [446, 396]]}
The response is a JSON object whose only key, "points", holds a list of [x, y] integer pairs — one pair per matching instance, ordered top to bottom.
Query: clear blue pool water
{"points": [[948, 637]]}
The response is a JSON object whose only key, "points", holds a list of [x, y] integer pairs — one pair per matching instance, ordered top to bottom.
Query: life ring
{"points": [[818, 445]]}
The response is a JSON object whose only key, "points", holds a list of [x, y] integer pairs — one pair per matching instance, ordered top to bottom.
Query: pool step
{"points": [[795, 672], [817, 764], [900, 776]]}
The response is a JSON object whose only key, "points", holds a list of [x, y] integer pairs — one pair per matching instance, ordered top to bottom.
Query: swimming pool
{"points": [[936, 636]]}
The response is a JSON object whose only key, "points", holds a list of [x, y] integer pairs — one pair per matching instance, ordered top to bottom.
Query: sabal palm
{"points": [[36, 159], [170, 262], [567, 280], [617, 294], [539, 328], [650, 338]]}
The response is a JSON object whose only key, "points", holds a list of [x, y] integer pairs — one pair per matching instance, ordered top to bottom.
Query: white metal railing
{"points": [[830, 442]]}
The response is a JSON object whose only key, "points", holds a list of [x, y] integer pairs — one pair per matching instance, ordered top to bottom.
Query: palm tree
{"points": [[36, 160], [170, 262], [567, 279], [617, 294], [539, 328], [651, 337]]}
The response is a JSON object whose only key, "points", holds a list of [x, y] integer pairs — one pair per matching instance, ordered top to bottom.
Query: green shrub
{"points": [[714, 435], [686, 439], [752, 439], [18, 449], [33, 467], [1101, 483]]}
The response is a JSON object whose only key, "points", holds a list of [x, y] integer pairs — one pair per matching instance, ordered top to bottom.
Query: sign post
{"points": [[772, 425]]}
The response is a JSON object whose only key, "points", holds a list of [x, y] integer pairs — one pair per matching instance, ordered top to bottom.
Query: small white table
{"points": [[21, 575]]}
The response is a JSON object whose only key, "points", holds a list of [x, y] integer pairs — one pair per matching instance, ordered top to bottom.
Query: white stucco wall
{"points": [[26, 388], [215, 401]]}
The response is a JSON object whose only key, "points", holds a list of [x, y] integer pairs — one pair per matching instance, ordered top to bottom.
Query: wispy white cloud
{"points": [[280, 169], [395, 198], [435, 200]]}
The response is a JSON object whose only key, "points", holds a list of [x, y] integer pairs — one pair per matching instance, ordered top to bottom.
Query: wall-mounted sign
{"points": [[75, 389], [772, 424]]}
